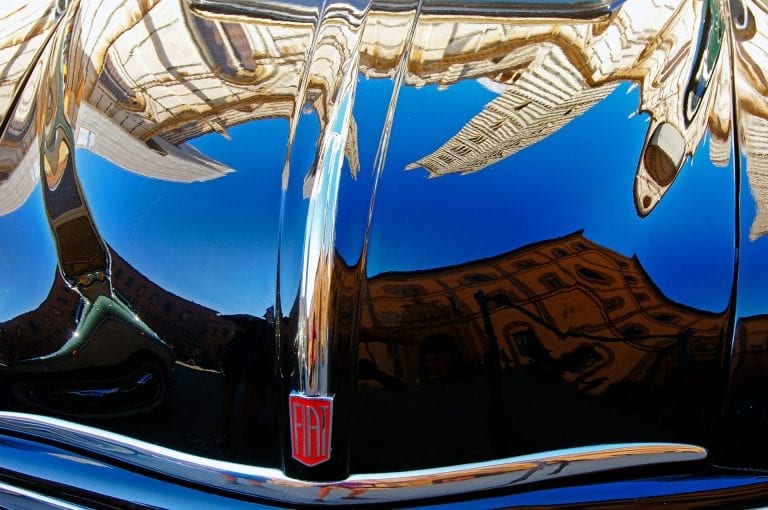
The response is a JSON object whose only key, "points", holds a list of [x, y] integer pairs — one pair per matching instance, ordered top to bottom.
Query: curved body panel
{"points": [[346, 242]]}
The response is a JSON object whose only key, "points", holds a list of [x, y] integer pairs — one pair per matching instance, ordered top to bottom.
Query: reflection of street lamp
{"points": [[495, 411]]}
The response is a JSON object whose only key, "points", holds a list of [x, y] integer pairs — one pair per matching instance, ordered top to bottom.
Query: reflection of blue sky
{"points": [[580, 177], [212, 242], [215, 242], [27, 258], [753, 270]]}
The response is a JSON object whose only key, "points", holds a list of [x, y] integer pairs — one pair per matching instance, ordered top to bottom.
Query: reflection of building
{"points": [[750, 22], [23, 30], [164, 73], [156, 74], [551, 74], [568, 303], [196, 333]]}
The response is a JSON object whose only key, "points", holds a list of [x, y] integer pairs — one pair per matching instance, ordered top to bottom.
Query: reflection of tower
{"points": [[550, 74], [538, 101]]}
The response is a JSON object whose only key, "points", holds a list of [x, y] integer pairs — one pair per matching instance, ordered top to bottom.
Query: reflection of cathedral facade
{"points": [[168, 73], [569, 303], [196, 334]]}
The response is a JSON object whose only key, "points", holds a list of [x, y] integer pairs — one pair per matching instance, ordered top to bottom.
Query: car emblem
{"points": [[310, 428]]}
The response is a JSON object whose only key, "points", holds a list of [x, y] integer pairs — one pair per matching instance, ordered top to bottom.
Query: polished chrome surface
{"points": [[272, 484], [15, 497]]}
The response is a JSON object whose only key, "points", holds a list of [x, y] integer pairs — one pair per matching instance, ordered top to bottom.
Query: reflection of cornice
{"points": [[524, 9], [263, 10], [287, 11], [187, 125], [177, 163]]}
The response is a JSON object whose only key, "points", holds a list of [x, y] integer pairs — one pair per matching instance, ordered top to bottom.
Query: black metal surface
{"points": [[481, 236]]}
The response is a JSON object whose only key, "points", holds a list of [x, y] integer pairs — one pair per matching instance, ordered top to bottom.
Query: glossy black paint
{"points": [[482, 236]]}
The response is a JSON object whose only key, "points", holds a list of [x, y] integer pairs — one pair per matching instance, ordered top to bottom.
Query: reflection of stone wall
{"points": [[547, 74], [568, 303], [196, 333]]}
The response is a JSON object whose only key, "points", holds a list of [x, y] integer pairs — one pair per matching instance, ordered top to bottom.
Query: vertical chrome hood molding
{"points": [[273, 485]]}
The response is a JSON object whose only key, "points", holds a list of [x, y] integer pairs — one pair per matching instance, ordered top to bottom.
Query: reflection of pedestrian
{"points": [[506, 360], [246, 362]]}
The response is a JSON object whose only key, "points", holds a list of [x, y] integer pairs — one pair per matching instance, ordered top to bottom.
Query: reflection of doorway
{"points": [[522, 342], [440, 359]]}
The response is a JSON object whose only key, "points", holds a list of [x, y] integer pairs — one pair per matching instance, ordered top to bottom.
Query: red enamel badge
{"points": [[310, 428]]}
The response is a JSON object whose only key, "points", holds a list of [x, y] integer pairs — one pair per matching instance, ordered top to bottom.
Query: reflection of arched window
{"points": [[231, 53], [118, 83], [579, 246], [559, 252], [522, 265], [593, 276], [474, 278], [630, 279], [552, 282], [405, 290], [411, 291], [641, 297], [500, 298], [613, 303], [666, 317], [634, 331], [525, 341]]}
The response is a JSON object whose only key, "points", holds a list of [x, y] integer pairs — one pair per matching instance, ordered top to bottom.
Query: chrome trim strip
{"points": [[284, 11], [273, 485], [15, 497]]}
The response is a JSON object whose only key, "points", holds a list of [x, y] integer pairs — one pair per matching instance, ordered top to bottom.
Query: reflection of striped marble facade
{"points": [[229, 69], [554, 82], [547, 94]]}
